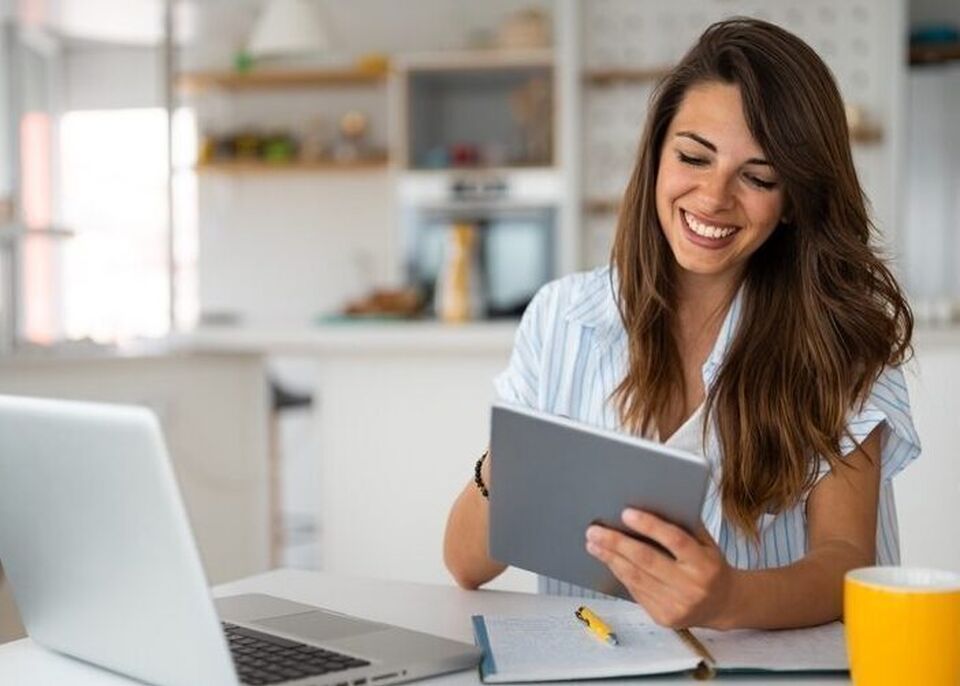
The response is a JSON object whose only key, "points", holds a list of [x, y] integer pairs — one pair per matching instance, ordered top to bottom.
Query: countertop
{"points": [[410, 337], [423, 337], [352, 338]]}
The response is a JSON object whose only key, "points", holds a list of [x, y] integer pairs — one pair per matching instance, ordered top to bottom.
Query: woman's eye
{"points": [[692, 161], [761, 183]]}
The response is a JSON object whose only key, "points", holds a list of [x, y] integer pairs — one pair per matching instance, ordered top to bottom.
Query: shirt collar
{"points": [[596, 307]]}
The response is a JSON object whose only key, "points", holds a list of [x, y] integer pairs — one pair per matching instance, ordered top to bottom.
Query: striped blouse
{"points": [[569, 355]]}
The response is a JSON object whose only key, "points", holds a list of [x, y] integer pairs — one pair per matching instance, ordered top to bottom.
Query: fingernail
{"points": [[593, 533]]}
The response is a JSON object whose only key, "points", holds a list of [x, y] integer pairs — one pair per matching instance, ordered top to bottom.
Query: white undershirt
{"points": [[689, 437]]}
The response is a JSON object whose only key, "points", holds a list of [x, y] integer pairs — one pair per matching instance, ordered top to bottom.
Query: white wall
{"points": [[217, 29], [98, 77], [6, 180], [931, 232], [282, 249], [928, 491]]}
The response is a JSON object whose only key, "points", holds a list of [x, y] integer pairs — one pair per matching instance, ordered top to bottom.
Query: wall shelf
{"points": [[934, 53], [609, 77], [197, 82], [860, 134], [262, 167], [602, 206]]}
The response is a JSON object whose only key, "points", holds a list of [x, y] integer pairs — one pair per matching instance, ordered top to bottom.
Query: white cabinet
{"points": [[213, 409], [398, 432], [928, 492]]}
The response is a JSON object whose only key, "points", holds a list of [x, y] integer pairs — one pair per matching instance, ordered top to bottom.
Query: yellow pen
{"points": [[596, 626]]}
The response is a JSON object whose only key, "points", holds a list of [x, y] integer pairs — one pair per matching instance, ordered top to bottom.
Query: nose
{"points": [[716, 192]]}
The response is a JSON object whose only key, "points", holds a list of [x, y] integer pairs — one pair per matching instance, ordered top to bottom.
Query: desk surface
{"points": [[438, 609]]}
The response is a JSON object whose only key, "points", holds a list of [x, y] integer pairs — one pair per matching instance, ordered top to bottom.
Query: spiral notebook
{"points": [[556, 647]]}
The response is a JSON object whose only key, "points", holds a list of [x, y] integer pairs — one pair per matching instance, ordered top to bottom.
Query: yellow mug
{"points": [[902, 626]]}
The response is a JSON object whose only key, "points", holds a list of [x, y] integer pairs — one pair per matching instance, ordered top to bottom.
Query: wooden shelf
{"points": [[934, 53], [607, 77], [196, 82], [262, 167], [602, 206]]}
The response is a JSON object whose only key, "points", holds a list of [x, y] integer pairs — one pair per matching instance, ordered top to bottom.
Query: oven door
{"points": [[515, 252]]}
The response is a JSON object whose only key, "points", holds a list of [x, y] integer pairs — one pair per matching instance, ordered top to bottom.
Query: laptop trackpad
{"points": [[320, 626]]}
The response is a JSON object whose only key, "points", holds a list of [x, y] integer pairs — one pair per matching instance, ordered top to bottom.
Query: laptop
{"points": [[553, 477], [103, 566]]}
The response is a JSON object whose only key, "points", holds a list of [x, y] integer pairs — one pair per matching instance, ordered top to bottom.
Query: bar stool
{"points": [[281, 399]]}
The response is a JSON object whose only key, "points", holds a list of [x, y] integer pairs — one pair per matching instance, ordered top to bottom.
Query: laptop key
{"points": [[260, 636], [312, 650], [264, 659]]}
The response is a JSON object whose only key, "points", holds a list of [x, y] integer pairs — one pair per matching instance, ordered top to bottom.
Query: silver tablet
{"points": [[552, 477]]}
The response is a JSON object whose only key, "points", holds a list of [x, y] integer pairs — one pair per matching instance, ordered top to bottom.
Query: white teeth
{"points": [[707, 230]]}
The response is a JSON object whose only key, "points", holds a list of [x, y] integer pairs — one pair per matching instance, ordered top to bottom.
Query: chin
{"points": [[701, 267]]}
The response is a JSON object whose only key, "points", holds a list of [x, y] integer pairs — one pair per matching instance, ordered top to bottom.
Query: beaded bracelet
{"points": [[477, 479]]}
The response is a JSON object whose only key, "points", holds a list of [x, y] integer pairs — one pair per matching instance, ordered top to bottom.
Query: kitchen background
{"points": [[302, 230]]}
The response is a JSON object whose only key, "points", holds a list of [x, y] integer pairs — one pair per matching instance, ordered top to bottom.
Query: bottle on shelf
{"points": [[459, 293]]}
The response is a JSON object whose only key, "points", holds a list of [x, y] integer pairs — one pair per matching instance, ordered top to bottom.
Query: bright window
{"points": [[113, 196]]}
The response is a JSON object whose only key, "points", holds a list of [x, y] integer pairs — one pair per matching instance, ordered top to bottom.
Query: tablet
{"points": [[551, 477]]}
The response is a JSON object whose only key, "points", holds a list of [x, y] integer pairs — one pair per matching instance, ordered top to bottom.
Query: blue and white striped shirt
{"points": [[569, 355]]}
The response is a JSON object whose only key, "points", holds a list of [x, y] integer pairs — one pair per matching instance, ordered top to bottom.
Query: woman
{"points": [[746, 317]]}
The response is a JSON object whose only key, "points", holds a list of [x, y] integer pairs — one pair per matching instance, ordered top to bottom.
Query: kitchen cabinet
{"points": [[488, 109], [478, 157]]}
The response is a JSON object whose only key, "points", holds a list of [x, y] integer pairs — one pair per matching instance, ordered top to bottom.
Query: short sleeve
{"points": [[518, 384], [889, 403]]}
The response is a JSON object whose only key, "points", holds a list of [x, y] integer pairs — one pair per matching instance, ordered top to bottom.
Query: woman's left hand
{"points": [[695, 589]]}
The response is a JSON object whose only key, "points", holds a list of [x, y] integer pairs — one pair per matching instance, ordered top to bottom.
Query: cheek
{"points": [[671, 184], [766, 214]]}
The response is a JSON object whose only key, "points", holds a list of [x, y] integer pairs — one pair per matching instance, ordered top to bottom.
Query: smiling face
{"points": [[718, 199]]}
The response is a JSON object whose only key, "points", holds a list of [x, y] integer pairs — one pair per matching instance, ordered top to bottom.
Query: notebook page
{"points": [[557, 647], [819, 648]]}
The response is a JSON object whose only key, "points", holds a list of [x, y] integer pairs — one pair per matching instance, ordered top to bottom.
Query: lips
{"points": [[707, 234]]}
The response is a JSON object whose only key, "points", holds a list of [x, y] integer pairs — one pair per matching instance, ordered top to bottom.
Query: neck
{"points": [[702, 300]]}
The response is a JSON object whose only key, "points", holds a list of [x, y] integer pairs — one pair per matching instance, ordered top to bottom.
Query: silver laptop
{"points": [[100, 556]]}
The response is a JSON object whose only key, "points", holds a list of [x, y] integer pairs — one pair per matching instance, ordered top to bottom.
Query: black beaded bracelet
{"points": [[477, 479]]}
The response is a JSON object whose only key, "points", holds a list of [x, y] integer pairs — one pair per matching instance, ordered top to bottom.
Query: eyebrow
{"points": [[707, 144]]}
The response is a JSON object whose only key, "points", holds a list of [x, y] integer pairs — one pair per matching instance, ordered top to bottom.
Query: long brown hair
{"points": [[822, 314]]}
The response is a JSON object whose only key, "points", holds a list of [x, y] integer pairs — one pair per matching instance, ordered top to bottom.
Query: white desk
{"points": [[438, 609]]}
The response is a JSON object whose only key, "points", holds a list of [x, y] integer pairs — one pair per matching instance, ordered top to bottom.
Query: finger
{"points": [[704, 536], [675, 539], [639, 554], [637, 580], [651, 593]]}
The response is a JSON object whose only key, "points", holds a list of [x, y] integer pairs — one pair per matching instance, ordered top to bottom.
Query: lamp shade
{"points": [[288, 27]]}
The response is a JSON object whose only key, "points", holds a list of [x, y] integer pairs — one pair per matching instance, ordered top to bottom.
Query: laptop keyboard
{"points": [[264, 659]]}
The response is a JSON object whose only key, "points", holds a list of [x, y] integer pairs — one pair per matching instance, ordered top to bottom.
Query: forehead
{"points": [[714, 111]]}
